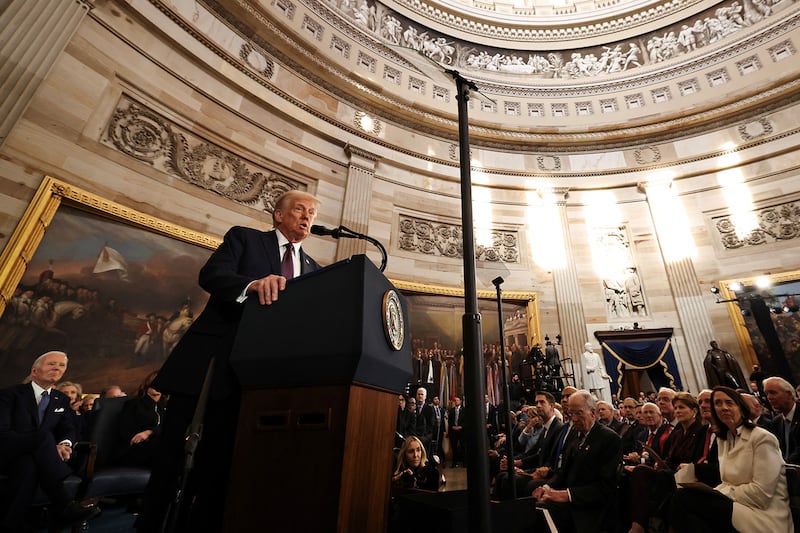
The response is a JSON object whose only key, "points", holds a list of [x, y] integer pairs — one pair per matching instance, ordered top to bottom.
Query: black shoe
{"points": [[74, 512]]}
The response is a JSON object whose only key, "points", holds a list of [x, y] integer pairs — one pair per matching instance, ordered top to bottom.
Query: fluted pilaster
{"points": [[32, 35], [357, 199], [568, 294], [688, 298]]}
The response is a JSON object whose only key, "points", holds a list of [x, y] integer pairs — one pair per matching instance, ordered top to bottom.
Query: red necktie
{"points": [[287, 265], [667, 431], [650, 439], [706, 446]]}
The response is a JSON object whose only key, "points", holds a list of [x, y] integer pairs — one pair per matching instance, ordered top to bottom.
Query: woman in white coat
{"points": [[752, 497]]}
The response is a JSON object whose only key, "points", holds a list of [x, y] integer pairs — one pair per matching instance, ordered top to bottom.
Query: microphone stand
{"points": [[347, 233], [506, 393]]}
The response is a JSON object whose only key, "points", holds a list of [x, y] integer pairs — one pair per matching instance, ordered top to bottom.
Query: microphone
{"points": [[316, 229], [347, 233]]}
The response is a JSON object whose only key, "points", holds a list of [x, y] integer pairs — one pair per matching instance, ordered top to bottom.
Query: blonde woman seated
{"points": [[414, 470], [752, 497]]}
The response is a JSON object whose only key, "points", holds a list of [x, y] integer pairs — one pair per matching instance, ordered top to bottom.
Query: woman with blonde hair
{"points": [[413, 470]]}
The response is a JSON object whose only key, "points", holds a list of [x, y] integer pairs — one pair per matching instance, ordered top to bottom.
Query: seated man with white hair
{"points": [[36, 436], [581, 495]]}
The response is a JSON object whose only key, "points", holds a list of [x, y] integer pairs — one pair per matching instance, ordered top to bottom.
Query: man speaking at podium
{"points": [[248, 264]]}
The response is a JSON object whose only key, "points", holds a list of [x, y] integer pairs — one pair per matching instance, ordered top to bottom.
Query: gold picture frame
{"points": [[52, 194], [91, 277], [531, 299], [739, 313]]}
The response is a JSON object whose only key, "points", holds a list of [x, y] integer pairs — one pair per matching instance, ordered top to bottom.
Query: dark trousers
{"points": [[456, 446], [35, 464], [649, 492], [203, 504], [701, 511]]}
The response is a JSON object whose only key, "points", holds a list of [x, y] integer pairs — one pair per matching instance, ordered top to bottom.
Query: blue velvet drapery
{"points": [[654, 355]]}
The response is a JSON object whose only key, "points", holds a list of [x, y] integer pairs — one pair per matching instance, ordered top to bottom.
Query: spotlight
{"points": [[763, 282], [735, 286], [714, 290], [787, 309], [776, 310], [746, 312]]}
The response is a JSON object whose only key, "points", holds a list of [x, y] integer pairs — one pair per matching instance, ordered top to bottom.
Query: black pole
{"points": [[506, 393], [477, 449]]}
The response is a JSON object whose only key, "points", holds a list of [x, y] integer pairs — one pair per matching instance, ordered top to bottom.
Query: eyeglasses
{"points": [[575, 413]]}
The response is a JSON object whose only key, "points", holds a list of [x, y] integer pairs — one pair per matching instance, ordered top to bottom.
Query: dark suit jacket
{"points": [[245, 255], [19, 423], [426, 423], [778, 428], [632, 437], [685, 446], [544, 450], [590, 473]]}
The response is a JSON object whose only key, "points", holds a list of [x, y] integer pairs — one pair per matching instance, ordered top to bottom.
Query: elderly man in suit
{"points": [[248, 264], [785, 425], [36, 436], [584, 490]]}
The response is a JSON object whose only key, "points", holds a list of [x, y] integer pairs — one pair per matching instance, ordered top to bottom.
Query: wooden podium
{"points": [[316, 426]]}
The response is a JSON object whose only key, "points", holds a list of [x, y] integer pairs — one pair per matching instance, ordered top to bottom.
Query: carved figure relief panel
{"points": [[622, 286]]}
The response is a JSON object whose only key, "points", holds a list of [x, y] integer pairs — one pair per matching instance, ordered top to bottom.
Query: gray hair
{"points": [[38, 361], [783, 384], [588, 399], [653, 405]]}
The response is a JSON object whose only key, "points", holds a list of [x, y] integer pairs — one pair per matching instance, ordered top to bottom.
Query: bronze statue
{"points": [[722, 369]]}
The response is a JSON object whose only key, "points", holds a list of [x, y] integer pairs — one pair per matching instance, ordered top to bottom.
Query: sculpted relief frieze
{"points": [[682, 38], [146, 136], [776, 223], [445, 240]]}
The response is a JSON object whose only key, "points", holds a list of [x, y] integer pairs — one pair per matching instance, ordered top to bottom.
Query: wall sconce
{"points": [[716, 293]]}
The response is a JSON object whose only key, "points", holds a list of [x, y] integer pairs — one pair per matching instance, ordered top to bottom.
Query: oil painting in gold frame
{"points": [[111, 286]]}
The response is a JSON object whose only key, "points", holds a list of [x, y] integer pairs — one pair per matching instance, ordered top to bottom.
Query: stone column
{"points": [[32, 35], [357, 200], [569, 302], [689, 302]]}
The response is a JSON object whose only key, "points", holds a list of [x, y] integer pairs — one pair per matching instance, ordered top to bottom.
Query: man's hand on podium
{"points": [[268, 288]]}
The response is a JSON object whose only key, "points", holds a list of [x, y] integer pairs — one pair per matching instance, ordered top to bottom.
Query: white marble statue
{"points": [[595, 378]]}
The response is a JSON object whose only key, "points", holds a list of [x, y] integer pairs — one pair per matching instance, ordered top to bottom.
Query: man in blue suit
{"points": [[248, 264], [36, 436]]}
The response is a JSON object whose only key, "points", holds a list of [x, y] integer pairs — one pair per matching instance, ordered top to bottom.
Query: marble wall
{"points": [[208, 147]]}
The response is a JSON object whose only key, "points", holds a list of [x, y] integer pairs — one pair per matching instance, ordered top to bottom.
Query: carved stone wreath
{"points": [[446, 240]]}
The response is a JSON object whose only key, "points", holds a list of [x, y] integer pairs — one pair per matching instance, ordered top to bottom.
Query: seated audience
{"points": [[140, 425], [658, 429], [633, 433], [36, 437], [534, 467], [706, 468], [414, 470], [586, 484], [651, 487], [752, 497]]}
